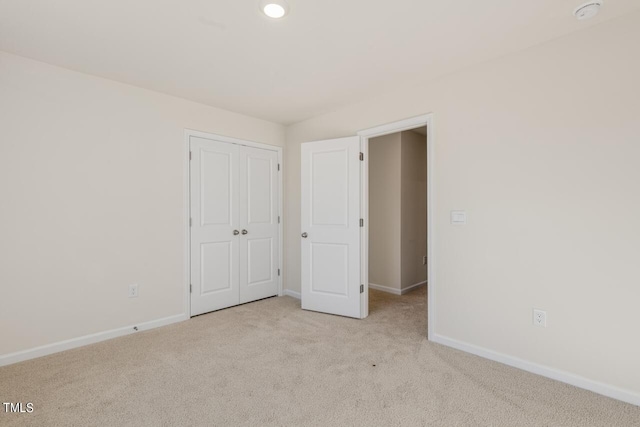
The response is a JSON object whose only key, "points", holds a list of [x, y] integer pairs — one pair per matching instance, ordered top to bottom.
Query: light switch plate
{"points": [[458, 217]]}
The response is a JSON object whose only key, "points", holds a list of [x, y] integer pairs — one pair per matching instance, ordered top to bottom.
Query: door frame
{"points": [[386, 129], [188, 133]]}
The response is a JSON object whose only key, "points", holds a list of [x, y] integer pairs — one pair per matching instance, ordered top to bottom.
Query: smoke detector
{"points": [[587, 10]]}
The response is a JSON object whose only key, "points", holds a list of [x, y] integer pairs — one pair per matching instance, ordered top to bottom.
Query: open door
{"points": [[331, 226]]}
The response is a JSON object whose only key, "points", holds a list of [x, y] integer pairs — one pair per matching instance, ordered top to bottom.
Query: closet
{"points": [[234, 224]]}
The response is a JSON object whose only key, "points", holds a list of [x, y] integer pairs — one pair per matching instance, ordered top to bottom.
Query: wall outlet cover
{"points": [[133, 290], [539, 318]]}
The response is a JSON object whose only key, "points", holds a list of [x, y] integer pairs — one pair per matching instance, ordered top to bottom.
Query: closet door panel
{"points": [[259, 244], [215, 249]]}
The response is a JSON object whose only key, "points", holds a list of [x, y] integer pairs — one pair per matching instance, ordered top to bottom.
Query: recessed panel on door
{"points": [[216, 182], [330, 187], [260, 189], [260, 251], [215, 267], [330, 269]]}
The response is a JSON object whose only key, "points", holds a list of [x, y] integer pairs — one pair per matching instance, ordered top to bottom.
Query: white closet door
{"points": [[330, 172], [259, 245], [215, 265]]}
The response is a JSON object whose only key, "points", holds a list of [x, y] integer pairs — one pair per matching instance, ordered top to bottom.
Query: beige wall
{"points": [[541, 149], [91, 180], [414, 208], [385, 211]]}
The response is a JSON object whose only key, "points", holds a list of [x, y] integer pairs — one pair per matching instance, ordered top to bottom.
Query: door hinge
{"points": [[189, 155], [362, 156], [278, 166], [278, 219], [190, 222], [361, 222], [278, 272], [190, 288], [361, 289]]}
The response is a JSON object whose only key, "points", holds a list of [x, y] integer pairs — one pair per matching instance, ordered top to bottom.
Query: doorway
{"points": [[425, 125], [335, 222], [398, 223]]}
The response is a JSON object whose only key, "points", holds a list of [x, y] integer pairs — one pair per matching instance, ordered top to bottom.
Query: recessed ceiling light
{"points": [[274, 8], [588, 10]]}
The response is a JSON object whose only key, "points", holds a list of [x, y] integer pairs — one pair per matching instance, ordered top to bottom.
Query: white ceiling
{"points": [[324, 54]]}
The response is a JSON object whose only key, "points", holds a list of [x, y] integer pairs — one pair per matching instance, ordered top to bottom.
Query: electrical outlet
{"points": [[424, 260], [133, 291], [539, 318]]}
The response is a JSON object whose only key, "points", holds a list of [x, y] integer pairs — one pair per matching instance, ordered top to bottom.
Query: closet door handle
{"points": [[244, 231], [236, 232], [305, 235]]}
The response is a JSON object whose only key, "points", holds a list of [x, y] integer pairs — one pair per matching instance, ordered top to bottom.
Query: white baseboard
{"points": [[412, 287], [387, 289], [396, 291], [292, 294], [32, 353], [545, 371]]}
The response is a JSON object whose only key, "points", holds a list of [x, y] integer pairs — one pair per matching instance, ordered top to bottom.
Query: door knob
{"points": [[244, 231], [236, 232], [305, 235]]}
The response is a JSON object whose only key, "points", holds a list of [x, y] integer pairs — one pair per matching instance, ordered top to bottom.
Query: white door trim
{"points": [[188, 133], [365, 135]]}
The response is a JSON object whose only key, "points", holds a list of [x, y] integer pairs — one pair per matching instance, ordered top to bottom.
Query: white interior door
{"points": [[331, 226], [259, 245], [215, 247]]}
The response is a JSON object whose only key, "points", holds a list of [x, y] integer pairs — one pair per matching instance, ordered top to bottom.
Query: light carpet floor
{"points": [[271, 363]]}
